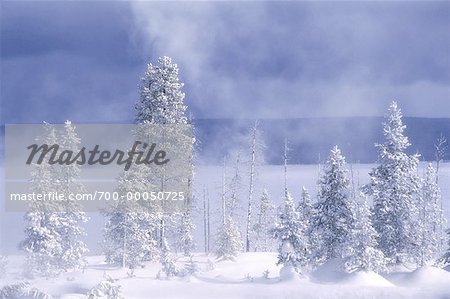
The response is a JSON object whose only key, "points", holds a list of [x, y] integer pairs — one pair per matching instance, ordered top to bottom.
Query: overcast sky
{"points": [[83, 60]]}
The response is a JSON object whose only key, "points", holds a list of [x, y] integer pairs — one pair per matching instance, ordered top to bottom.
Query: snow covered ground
{"points": [[242, 278]]}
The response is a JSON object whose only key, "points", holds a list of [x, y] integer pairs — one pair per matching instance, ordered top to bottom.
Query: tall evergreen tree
{"points": [[161, 102], [395, 189], [334, 218], [71, 228], [54, 229], [137, 232], [42, 242], [360, 248]]}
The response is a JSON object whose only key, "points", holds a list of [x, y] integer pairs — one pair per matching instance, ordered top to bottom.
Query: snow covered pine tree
{"points": [[162, 103], [395, 190], [307, 212], [334, 218], [71, 229], [54, 231], [137, 233], [229, 241], [42, 242], [293, 249]]}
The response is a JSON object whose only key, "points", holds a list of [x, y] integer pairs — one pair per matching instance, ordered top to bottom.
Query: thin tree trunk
{"points": [[285, 167], [250, 193], [223, 194], [204, 220], [208, 221], [124, 245]]}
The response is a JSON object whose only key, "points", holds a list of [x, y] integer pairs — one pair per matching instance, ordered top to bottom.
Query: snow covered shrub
{"points": [[185, 240], [229, 242], [293, 249], [445, 260], [210, 265], [191, 267], [130, 273], [249, 277], [106, 289], [22, 290]]}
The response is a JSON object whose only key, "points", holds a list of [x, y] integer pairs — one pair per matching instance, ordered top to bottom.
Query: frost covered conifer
{"points": [[161, 98], [161, 102], [395, 190], [305, 207], [307, 213], [334, 217], [265, 220], [432, 220], [71, 228], [130, 230], [136, 232], [128, 240], [185, 240], [229, 241], [43, 242], [293, 249], [361, 249], [445, 259], [169, 267], [106, 289], [22, 290]]}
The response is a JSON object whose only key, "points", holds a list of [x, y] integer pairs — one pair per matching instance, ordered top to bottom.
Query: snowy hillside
{"points": [[252, 275], [242, 279]]}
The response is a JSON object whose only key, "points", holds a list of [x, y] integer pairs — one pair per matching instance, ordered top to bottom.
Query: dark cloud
{"points": [[72, 60], [83, 60]]}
